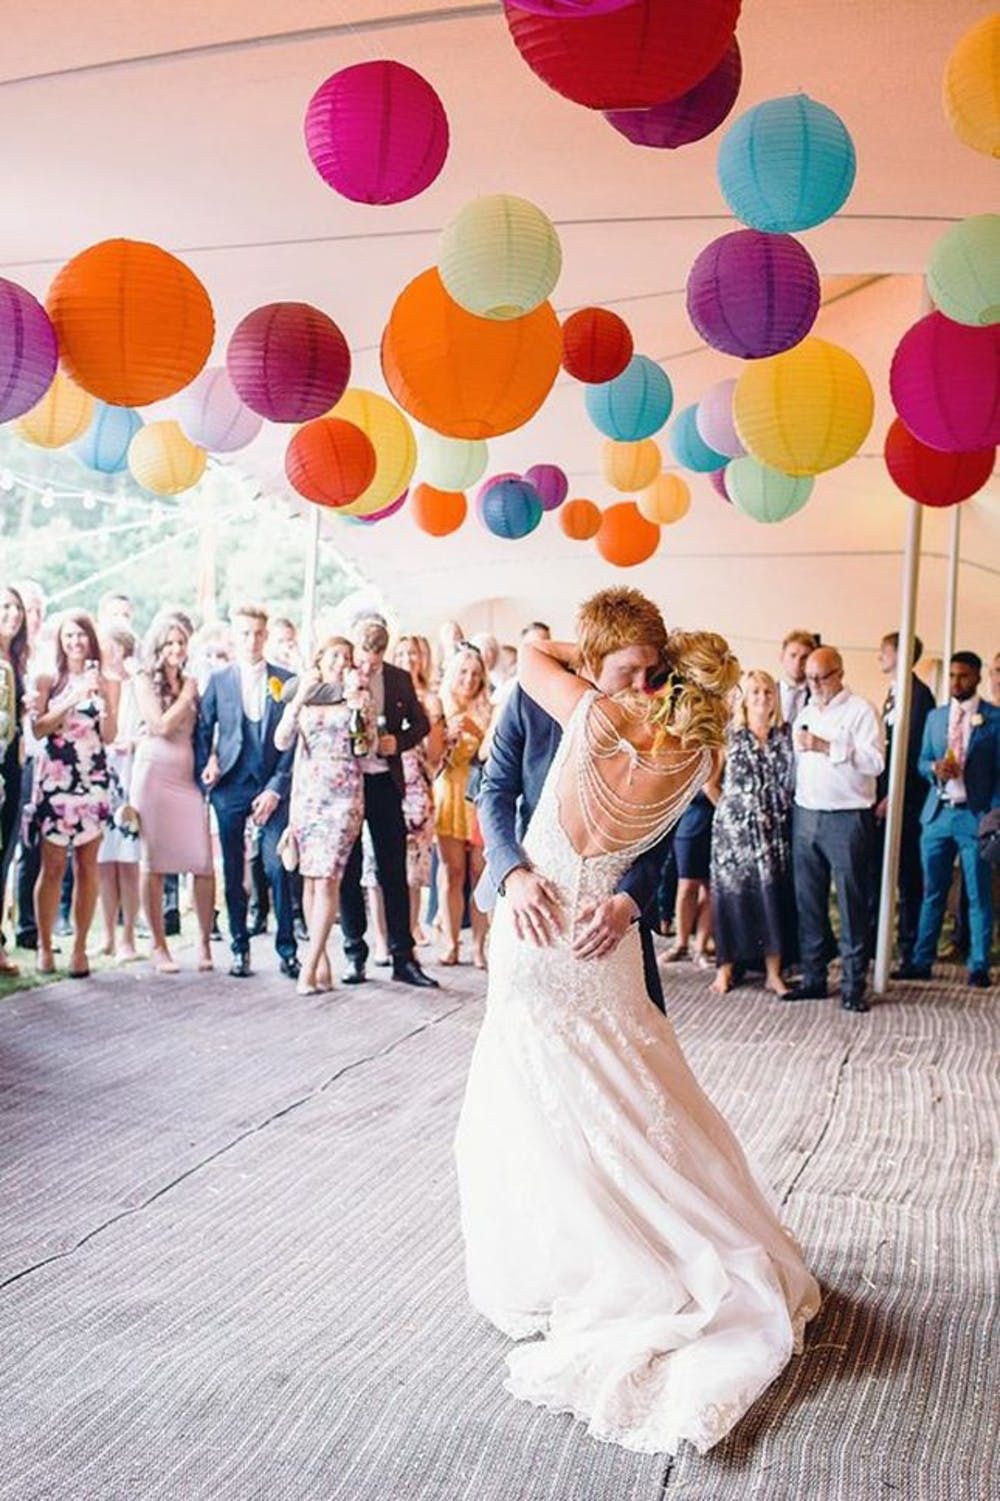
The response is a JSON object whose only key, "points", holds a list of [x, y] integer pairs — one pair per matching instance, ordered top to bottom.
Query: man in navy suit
{"points": [[524, 743], [960, 757], [248, 778]]}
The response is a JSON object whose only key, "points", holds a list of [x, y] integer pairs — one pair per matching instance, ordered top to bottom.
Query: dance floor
{"points": [[230, 1265]]}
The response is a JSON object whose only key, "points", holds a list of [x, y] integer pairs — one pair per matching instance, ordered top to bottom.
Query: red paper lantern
{"points": [[633, 58], [597, 345], [330, 461], [929, 475], [438, 512], [580, 520], [626, 537]]}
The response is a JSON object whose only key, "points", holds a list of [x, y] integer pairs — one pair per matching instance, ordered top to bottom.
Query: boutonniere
{"points": [[275, 688], [976, 721]]}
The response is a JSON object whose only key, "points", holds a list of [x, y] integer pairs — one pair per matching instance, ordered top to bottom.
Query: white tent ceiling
{"points": [[181, 124]]}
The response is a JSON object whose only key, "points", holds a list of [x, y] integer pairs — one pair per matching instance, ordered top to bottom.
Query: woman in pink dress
{"points": [[173, 814]]}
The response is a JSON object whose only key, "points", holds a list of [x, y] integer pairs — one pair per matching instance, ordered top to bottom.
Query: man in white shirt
{"points": [[792, 683], [839, 753]]}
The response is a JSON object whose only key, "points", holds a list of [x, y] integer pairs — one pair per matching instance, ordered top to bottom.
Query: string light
{"points": [[48, 497]]}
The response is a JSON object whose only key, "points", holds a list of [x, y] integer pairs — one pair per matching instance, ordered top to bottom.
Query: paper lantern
{"points": [[573, 7], [632, 58], [971, 90], [692, 116], [377, 132], [787, 164], [499, 257], [963, 274], [753, 294], [134, 323], [597, 345], [28, 350], [288, 361], [464, 376], [945, 384], [635, 404], [804, 411], [62, 415], [212, 415], [714, 420], [391, 437], [104, 446], [689, 447], [163, 460], [330, 461], [450, 464], [630, 466], [930, 476], [717, 479], [551, 484], [763, 493], [665, 501], [511, 509], [438, 512], [375, 516], [580, 520], [625, 537]]}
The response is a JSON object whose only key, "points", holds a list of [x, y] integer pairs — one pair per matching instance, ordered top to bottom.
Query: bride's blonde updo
{"points": [[695, 703]]}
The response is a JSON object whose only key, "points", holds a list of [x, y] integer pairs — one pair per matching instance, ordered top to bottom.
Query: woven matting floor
{"points": [[230, 1264]]}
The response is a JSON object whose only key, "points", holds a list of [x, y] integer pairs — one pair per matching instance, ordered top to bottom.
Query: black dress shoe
{"points": [[172, 924], [26, 941], [381, 963], [240, 967], [291, 967], [408, 972], [911, 972], [354, 974], [979, 979], [804, 992], [854, 1000]]}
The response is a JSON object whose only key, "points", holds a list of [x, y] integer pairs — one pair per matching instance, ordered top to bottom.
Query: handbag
{"points": [[288, 850]]}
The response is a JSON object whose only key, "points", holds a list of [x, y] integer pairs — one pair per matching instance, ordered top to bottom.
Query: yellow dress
{"points": [[454, 816]]}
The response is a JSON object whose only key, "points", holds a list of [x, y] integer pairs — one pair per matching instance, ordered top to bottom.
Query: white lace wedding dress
{"points": [[606, 1205]]}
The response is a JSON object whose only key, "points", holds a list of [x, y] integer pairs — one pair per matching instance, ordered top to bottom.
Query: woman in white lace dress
{"points": [[606, 1205]]}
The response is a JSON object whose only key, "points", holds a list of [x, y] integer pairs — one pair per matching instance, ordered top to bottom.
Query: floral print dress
{"points": [[73, 785], [328, 799], [418, 813]]}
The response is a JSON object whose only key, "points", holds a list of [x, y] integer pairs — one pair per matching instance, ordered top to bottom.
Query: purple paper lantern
{"points": [[678, 122], [377, 132], [753, 294], [29, 351], [289, 362], [945, 384], [212, 415], [714, 420], [718, 478], [551, 483]]}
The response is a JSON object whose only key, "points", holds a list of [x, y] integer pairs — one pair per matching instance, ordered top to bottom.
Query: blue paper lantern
{"points": [[787, 164], [635, 404], [104, 446], [689, 447], [510, 508]]}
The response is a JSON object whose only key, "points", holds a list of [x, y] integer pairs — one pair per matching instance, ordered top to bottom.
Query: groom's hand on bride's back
{"points": [[534, 905], [601, 926]]}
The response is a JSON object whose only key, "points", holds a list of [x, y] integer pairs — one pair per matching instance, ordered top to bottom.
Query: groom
{"points": [[621, 637]]}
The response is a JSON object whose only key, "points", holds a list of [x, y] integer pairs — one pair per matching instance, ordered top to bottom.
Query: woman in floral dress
{"points": [[328, 719], [419, 767]]}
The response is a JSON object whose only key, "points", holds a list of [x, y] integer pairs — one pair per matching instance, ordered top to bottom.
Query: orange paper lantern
{"points": [[134, 323], [464, 376], [330, 461], [438, 512], [580, 520], [625, 537]]}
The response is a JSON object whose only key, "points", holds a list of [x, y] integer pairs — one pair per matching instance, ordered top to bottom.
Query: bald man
{"points": [[839, 753]]}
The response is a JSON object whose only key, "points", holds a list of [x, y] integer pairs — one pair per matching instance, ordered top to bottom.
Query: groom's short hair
{"points": [[613, 619]]}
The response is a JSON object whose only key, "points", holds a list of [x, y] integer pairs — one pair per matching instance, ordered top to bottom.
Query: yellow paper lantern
{"points": [[971, 87], [500, 257], [806, 410], [62, 415], [391, 437], [163, 460], [630, 466], [665, 501]]}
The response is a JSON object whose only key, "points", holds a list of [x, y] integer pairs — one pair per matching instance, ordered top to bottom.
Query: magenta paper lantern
{"points": [[679, 122], [377, 132], [753, 294], [29, 351], [289, 362], [945, 384], [212, 415], [714, 420], [718, 478], [551, 483], [389, 510]]}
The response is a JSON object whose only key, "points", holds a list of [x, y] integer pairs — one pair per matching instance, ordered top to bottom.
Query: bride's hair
{"points": [[695, 703]]}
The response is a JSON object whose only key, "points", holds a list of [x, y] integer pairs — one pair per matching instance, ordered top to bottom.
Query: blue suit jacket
{"points": [[220, 720], [981, 772]]}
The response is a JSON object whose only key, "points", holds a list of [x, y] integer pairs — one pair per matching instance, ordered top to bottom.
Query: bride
{"points": [[606, 1205]]}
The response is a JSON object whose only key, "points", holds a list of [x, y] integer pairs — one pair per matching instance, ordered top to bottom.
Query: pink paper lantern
{"points": [[679, 122], [377, 132], [29, 351], [289, 362], [945, 384], [714, 420], [718, 478], [551, 483]]}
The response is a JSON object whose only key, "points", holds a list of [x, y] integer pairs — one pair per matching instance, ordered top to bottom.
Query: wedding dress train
{"points": [[606, 1205]]}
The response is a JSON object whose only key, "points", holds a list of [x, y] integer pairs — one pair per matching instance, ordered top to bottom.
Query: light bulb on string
{"points": [[6, 480], [48, 497], [89, 500]]}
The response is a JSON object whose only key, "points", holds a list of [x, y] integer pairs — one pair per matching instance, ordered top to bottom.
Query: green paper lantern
{"points": [[500, 257], [963, 275], [449, 464], [765, 494]]}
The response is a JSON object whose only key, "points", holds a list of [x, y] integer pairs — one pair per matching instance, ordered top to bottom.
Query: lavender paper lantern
{"points": [[679, 122], [377, 132], [753, 294], [29, 351], [289, 362], [945, 383], [212, 415], [714, 420], [689, 448], [551, 484]]}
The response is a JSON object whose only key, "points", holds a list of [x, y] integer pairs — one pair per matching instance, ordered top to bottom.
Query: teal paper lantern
{"points": [[787, 164], [963, 275], [635, 404], [104, 446], [689, 447], [766, 494], [510, 508]]}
